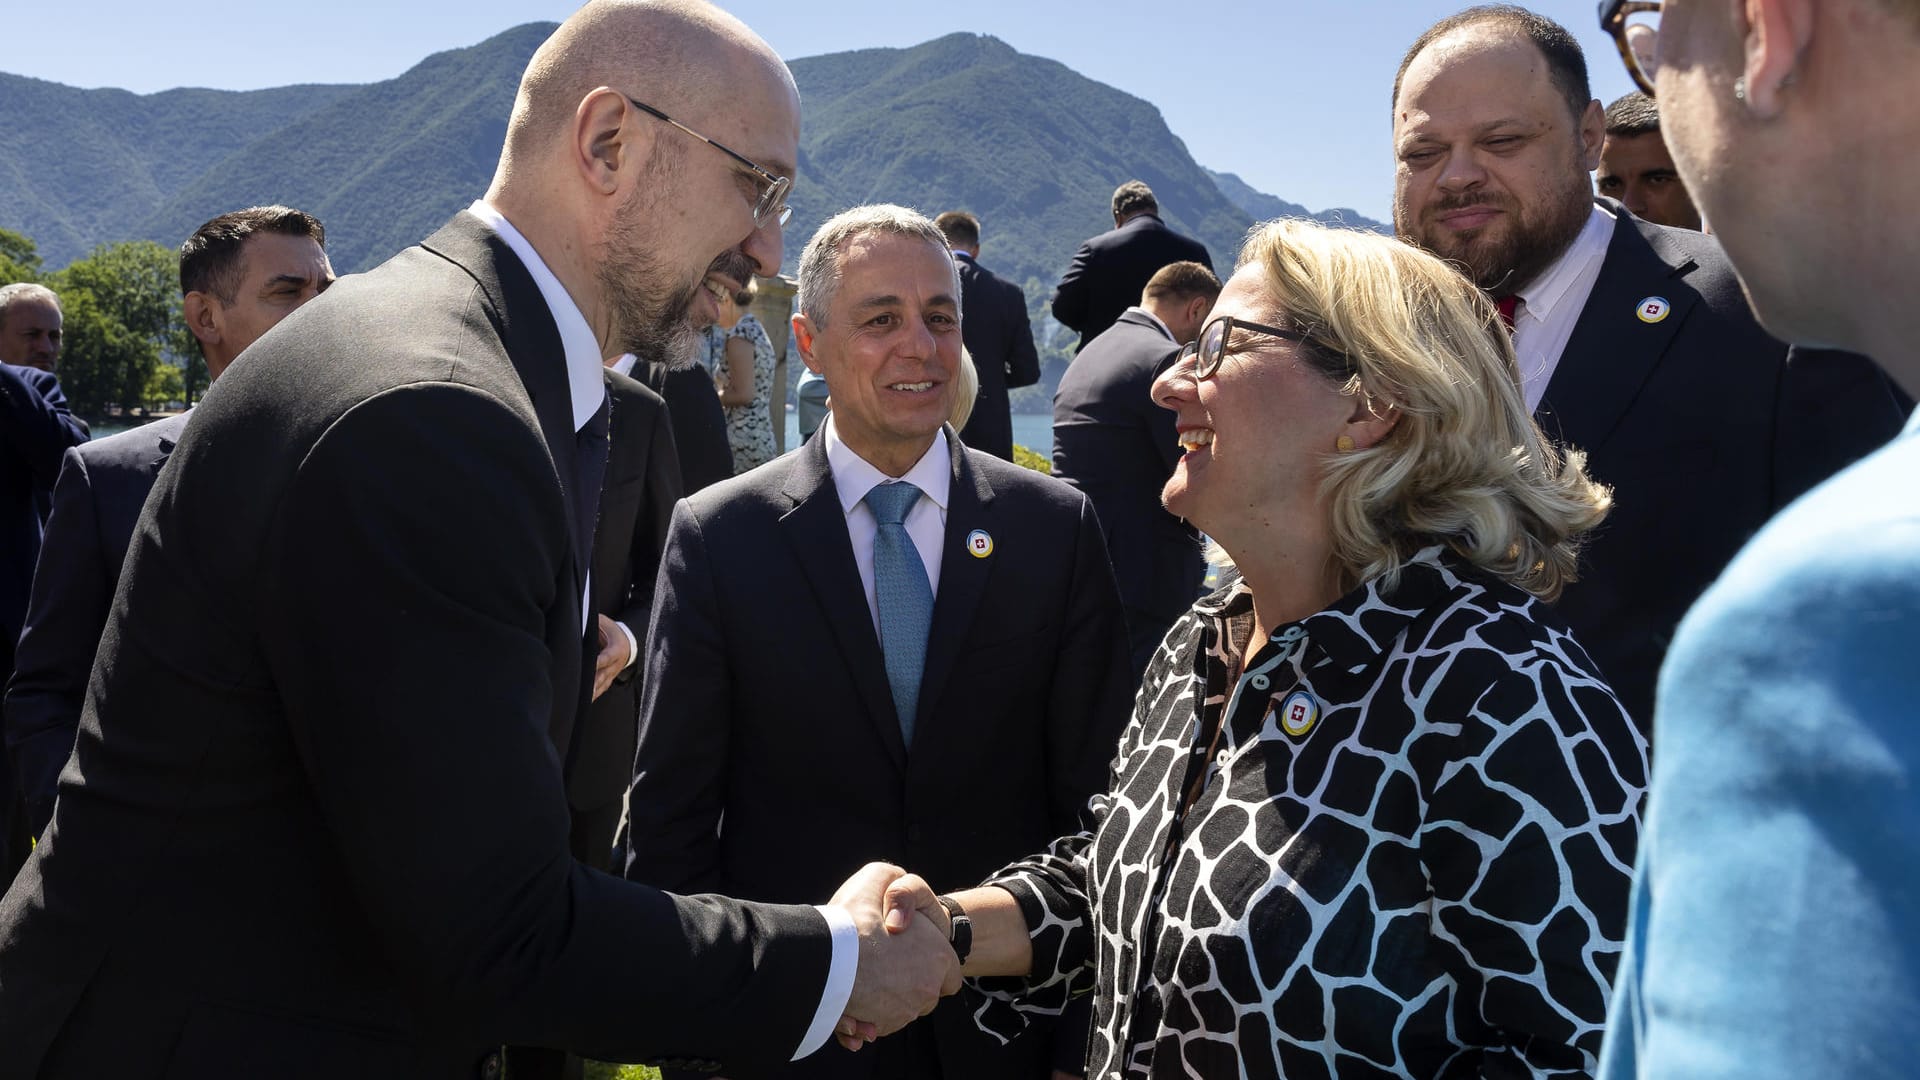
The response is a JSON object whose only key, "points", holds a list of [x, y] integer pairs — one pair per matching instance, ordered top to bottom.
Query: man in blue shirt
{"points": [[1775, 919]]}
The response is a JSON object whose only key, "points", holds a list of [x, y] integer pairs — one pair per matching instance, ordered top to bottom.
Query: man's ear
{"points": [[1777, 33], [1593, 133], [606, 141], [1196, 313], [204, 317], [803, 331]]}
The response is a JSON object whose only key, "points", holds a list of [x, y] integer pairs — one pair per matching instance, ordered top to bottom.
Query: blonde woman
{"points": [[1376, 810]]}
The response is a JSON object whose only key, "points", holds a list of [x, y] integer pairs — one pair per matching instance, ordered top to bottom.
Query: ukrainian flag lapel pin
{"points": [[979, 544]]}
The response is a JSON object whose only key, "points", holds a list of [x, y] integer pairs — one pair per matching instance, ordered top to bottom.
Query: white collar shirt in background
{"points": [[1551, 304]]}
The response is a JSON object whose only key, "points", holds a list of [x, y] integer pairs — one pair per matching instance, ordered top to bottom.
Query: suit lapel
{"points": [[1613, 349], [817, 529], [963, 578]]}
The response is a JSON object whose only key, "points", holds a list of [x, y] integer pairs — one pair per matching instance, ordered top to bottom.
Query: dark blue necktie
{"points": [[589, 469], [904, 597]]}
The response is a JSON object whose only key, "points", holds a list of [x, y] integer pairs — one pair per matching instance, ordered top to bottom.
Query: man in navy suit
{"points": [[1109, 271], [240, 273], [996, 331], [1634, 341], [36, 427], [1114, 442], [812, 701]]}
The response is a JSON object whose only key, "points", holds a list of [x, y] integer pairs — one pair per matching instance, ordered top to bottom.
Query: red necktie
{"points": [[1505, 306]]}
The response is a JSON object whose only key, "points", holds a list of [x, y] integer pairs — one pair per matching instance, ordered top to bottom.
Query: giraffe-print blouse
{"points": [[1408, 855]]}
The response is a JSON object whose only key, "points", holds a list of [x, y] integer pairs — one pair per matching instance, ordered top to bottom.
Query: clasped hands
{"points": [[906, 965]]}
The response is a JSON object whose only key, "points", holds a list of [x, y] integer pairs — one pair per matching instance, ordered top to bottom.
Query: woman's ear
{"points": [[1372, 420]]}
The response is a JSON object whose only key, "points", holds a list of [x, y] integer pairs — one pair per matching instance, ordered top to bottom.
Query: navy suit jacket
{"points": [[1110, 270], [995, 328], [699, 422], [36, 427], [1702, 427], [1113, 442], [103, 484], [771, 763], [314, 823]]}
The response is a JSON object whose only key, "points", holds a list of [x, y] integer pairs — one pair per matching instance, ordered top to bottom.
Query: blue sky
{"points": [[1292, 96]]}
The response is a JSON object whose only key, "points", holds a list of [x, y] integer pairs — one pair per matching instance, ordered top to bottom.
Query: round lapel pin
{"points": [[1653, 309], [979, 544], [1298, 713]]}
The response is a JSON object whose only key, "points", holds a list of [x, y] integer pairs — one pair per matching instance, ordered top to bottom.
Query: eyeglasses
{"points": [[1635, 26], [772, 206], [1210, 347]]}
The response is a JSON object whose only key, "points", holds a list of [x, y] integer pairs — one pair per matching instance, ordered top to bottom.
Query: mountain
{"points": [[963, 121], [84, 167], [1261, 206]]}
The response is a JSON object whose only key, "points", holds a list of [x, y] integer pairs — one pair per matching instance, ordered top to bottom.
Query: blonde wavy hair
{"points": [[1465, 466]]}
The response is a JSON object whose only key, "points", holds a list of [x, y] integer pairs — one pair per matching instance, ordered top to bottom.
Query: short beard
{"points": [[1532, 242], [653, 318]]}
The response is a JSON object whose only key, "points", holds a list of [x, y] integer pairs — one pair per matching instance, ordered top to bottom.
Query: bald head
{"points": [[680, 56], [631, 210]]}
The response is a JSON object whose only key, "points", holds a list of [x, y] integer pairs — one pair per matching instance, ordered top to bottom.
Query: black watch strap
{"points": [[959, 927]]}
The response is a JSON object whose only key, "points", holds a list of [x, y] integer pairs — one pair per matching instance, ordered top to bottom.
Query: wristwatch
{"points": [[959, 927]]}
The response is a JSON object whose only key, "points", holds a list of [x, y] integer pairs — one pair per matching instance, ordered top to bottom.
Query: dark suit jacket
{"points": [[1109, 271], [994, 326], [699, 423], [36, 427], [1702, 427], [1111, 441], [103, 484], [636, 504], [766, 701], [314, 824]]}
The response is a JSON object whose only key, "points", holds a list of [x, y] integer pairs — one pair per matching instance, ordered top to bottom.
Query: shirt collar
{"points": [[958, 254], [1546, 291], [1138, 310], [585, 383], [854, 476], [1339, 634]]}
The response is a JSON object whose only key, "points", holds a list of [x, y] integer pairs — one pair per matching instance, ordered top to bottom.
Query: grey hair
{"points": [[820, 262], [24, 290]]}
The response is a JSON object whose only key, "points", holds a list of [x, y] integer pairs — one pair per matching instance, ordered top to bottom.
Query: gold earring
{"points": [[1344, 444]]}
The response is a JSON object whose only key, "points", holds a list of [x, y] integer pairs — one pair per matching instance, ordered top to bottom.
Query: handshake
{"points": [[906, 965]]}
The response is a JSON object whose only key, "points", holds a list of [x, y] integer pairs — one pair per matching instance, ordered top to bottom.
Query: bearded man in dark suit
{"points": [[1108, 271], [240, 274], [1635, 342], [951, 618], [315, 822]]}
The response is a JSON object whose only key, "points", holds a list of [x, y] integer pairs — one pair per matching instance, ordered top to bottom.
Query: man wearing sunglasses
{"points": [[1633, 340], [315, 823], [1775, 920]]}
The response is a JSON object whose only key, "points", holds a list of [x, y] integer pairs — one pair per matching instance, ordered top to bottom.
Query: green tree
{"points": [[19, 258], [127, 295], [98, 353], [165, 386]]}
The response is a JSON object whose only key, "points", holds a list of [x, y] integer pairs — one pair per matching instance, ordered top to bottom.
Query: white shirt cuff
{"points": [[633, 647], [846, 960]]}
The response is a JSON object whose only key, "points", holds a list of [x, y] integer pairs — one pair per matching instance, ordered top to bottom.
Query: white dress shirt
{"points": [[1551, 304], [1138, 310], [587, 387], [926, 522]]}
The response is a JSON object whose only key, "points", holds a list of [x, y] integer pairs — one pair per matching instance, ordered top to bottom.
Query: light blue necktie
{"points": [[904, 597]]}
